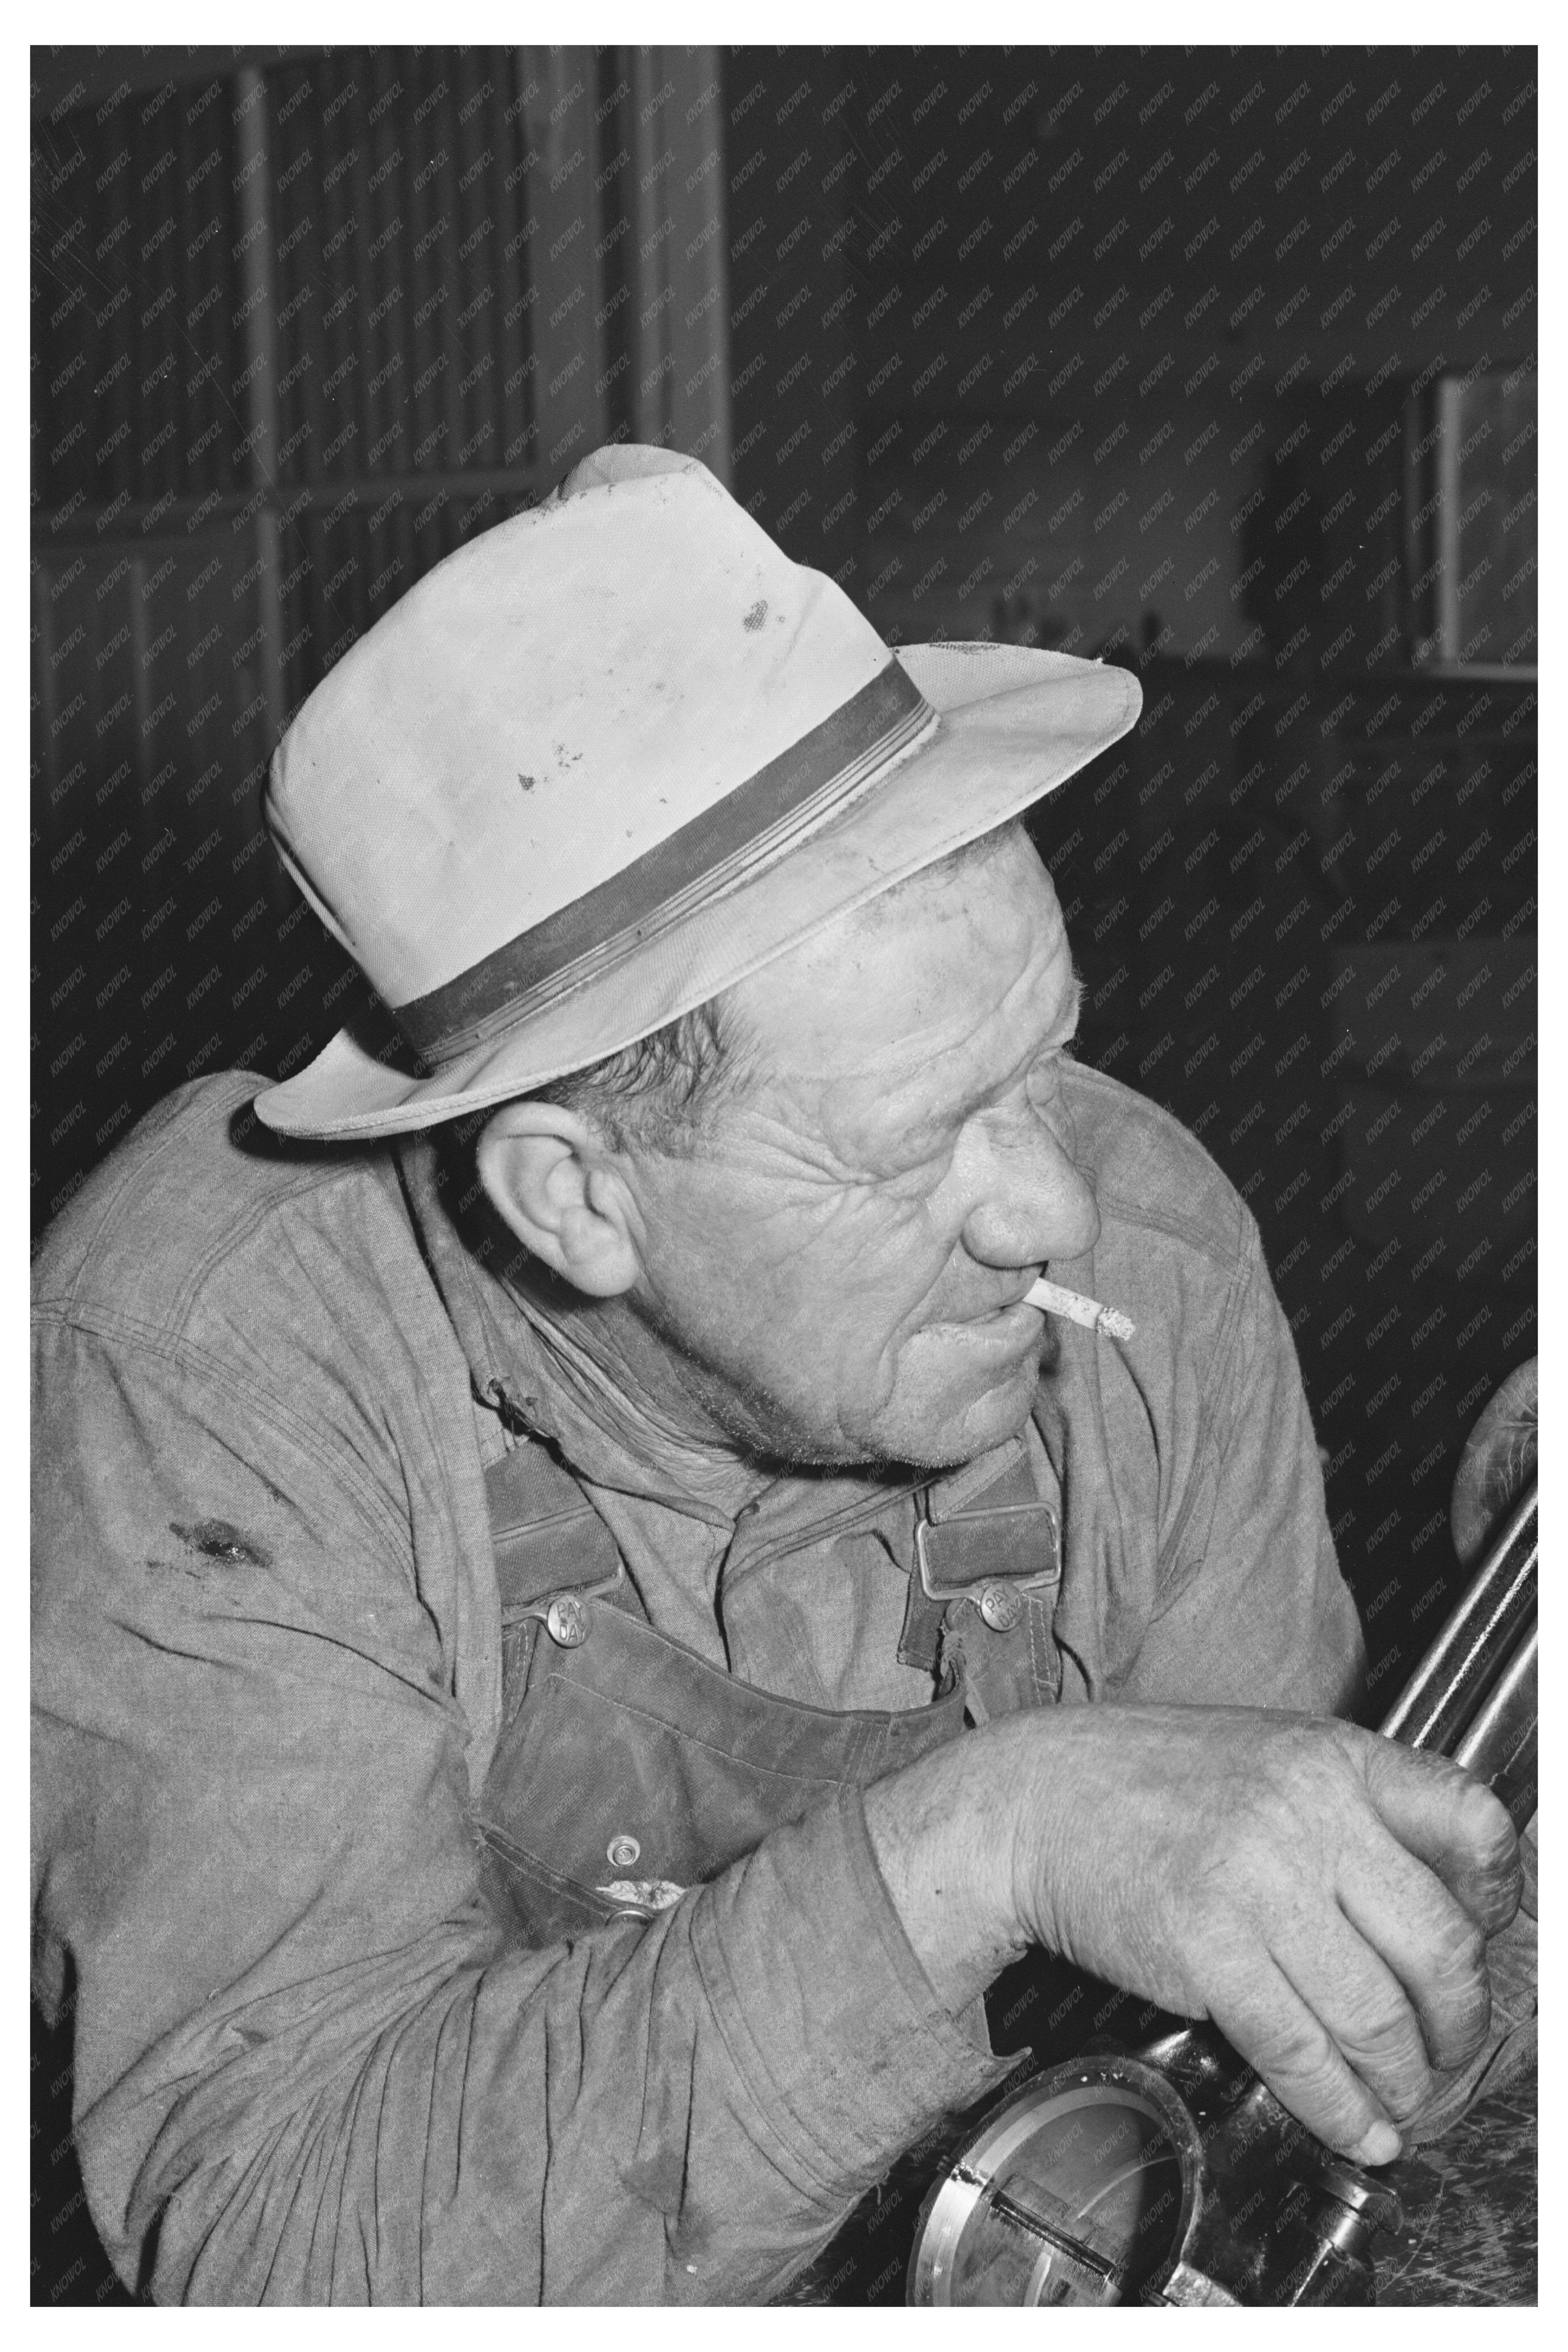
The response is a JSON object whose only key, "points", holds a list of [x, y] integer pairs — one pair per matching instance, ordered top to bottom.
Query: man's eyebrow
{"points": [[1059, 1035]]}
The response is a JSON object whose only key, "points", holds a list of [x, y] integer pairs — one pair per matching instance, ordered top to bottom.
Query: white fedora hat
{"points": [[608, 759]]}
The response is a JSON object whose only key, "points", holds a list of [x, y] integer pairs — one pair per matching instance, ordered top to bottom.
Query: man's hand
{"points": [[1322, 1894]]}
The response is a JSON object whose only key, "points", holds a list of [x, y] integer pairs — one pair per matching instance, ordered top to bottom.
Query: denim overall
{"points": [[629, 1769]]}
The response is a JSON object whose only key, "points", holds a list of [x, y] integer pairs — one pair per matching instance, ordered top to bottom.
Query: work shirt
{"points": [[313, 2062]]}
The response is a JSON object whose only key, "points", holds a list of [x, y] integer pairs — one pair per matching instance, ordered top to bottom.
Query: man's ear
{"points": [[548, 1172]]}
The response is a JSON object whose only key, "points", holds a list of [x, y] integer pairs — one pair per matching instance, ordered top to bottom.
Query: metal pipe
{"points": [[1474, 1641], [1499, 1746]]}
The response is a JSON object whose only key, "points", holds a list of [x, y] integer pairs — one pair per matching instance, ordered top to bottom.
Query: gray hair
{"points": [[661, 1094]]}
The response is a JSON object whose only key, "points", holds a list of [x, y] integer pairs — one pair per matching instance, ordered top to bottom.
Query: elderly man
{"points": [[575, 1610]]}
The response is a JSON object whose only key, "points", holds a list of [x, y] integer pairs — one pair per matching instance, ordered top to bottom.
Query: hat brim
{"points": [[1014, 723]]}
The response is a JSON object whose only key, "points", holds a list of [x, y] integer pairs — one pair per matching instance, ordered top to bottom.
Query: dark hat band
{"points": [[729, 842]]}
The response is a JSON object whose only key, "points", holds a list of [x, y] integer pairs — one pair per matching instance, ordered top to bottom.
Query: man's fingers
{"points": [[1453, 1824], [1433, 1948], [1362, 2007], [1269, 2023]]}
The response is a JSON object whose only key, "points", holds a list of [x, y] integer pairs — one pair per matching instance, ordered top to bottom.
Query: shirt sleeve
{"points": [[1251, 1609], [311, 2065]]}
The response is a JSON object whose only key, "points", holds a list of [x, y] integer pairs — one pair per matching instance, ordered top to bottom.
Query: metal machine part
{"points": [[1172, 2175], [1076, 2191]]}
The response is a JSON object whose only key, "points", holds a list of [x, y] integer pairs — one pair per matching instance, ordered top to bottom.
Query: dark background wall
{"points": [[1218, 364], [1221, 365]]}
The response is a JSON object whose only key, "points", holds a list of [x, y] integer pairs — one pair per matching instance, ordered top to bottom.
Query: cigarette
{"points": [[1052, 1300]]}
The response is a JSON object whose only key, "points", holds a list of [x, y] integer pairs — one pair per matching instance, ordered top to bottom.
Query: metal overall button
{"points": [[1002, 1607], [568, 1618], [566, 1622], [622, 1852]]}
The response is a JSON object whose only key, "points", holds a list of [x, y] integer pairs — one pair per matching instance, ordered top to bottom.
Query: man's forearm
{"points": [[942, 1833], [679, 2112]]}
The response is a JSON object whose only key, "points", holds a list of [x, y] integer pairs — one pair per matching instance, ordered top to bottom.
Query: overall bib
{"points": [[629, 1769]]}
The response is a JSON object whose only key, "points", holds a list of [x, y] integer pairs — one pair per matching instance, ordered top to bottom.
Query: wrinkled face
{"points": [[837, 1274]]}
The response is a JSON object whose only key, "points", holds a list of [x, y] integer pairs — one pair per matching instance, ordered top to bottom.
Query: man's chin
{"points": [[955, 1429]]}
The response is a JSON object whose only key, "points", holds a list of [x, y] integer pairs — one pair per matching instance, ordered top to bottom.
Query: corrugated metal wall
{"points": [[299, 331]]}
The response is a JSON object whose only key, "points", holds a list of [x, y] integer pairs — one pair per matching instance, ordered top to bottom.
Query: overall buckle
{"points": [[993, 1557]]}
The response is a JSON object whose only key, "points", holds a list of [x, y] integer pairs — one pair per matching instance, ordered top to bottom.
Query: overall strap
{"points": [[547, 1536], [985, 1537]]}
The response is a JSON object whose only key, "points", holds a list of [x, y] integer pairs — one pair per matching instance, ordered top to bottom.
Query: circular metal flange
{"points": [[984, 2234]]}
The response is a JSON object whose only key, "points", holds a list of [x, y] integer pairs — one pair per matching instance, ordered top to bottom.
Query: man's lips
{"points": [[1014, 1295], [999, 1332], [1000, 1337]]}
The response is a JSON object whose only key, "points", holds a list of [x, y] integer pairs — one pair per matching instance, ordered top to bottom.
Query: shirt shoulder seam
{"points": [[156, 1145], [310, 1177], [1170, 1222], [112, 1325], [1216, 1395]]}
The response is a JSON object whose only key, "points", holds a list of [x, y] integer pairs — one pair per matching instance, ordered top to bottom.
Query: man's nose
{"points": [[1032, 1202]]}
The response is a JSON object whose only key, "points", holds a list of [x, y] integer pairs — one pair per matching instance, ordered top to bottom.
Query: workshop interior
{"points": [[1215, 364]]}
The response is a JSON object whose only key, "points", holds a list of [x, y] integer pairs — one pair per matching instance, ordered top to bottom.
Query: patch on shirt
{"points": [[218, 1539], [647, 1894]]}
